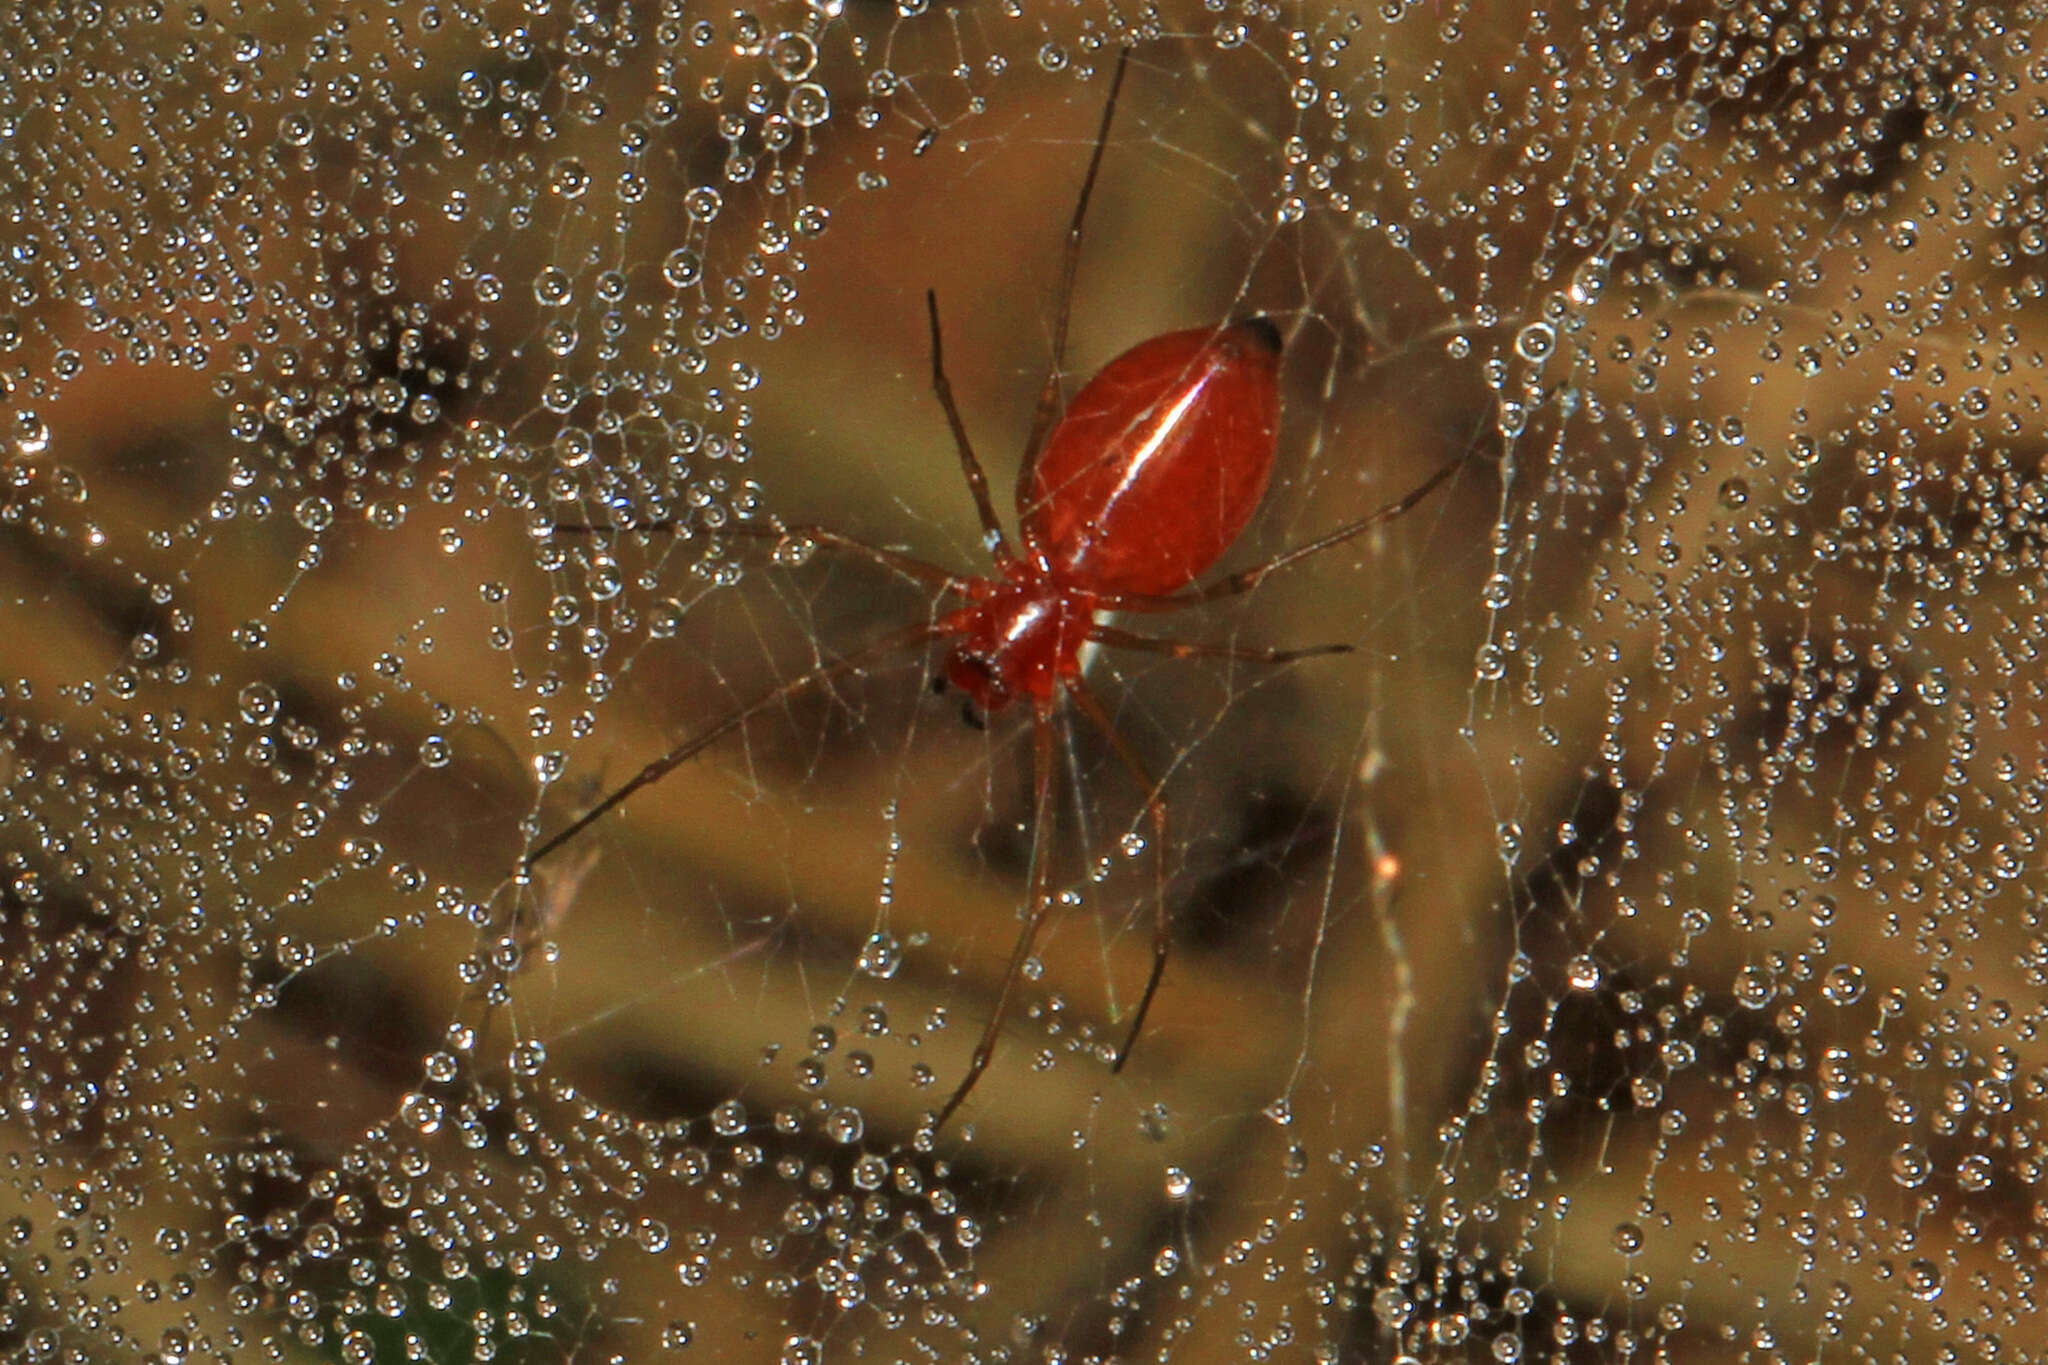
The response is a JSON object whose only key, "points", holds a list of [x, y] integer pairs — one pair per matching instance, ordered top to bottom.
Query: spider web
{"points": [[1629, 951]]}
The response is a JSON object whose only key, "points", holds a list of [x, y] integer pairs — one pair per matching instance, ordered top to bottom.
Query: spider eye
{"points": [[979, 681], [972, 715]]}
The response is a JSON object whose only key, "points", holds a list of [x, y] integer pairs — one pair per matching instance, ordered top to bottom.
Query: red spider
{"points": [[1124, 499]]}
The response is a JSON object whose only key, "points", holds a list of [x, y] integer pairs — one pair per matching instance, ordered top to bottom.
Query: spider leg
{"points": [[1070, 266], [977, 480], [910, 566], [1244, 580], [1191, 649], [690, 748], [1155, 810], [1034, 919]]}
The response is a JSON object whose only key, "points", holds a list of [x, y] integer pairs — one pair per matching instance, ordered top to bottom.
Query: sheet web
{"points": [[1629, 952]]}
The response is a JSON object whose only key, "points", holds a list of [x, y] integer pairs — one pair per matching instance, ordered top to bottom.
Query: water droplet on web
{"points": [[792, 55], [809, 105], [569, 178], [703, 204], [812, 220], [682, 268], [1589, 282], [552, 287], [1536, 341], [573, 447], [314, 513], [794, 551], [665, 618], [258, 702], [881, 956], [1843, 984], [1753, 988], [422, 1113], [729, 1119], [845, 1125], [1923, 1279], [801, 1350]]}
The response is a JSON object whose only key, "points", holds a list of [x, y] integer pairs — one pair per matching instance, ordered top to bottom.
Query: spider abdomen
{"points": [[1160, 461]]}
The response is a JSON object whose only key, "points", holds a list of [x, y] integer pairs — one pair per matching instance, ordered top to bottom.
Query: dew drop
{"points": [[881, 956]]}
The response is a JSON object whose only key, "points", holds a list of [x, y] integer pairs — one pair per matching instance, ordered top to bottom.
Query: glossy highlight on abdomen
{"points": [[1159, 463]]}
